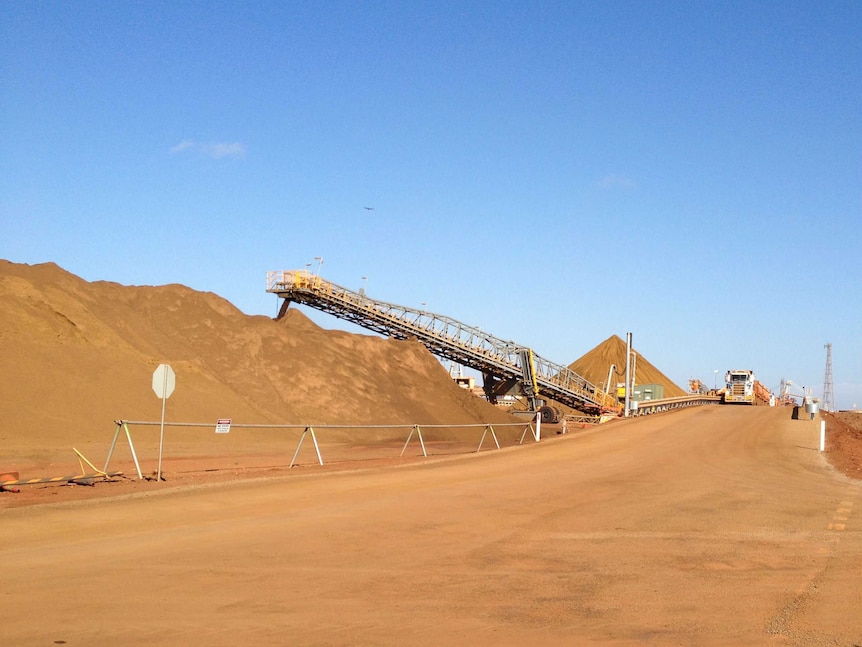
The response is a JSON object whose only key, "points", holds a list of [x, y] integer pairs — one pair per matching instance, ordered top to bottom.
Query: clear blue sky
{"points": [[554, 172]]}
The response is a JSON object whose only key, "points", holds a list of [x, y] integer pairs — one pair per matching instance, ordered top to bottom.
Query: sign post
{"points": [[164, 382]]}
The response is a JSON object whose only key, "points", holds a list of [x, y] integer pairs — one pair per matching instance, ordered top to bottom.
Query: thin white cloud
{"points": [[182, 146], [221, 149], [216, 150], [616, 182]]}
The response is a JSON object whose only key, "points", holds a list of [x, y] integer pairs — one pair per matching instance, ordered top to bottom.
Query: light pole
{"points": [[319, 260], [365, 285], [715, 380]]}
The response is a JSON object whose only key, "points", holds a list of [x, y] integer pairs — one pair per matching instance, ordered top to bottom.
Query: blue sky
{"points": [[554, 172]]}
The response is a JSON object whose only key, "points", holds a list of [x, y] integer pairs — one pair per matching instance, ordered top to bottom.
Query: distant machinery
{"points": [[699, 386], [739, 387], [742, 387], [784, 395], [828, 395], [787, 397], [810, 404]]}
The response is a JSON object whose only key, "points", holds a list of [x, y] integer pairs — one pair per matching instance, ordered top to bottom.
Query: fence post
{"points": [[119, 424], [124, 425], [488, 428]]}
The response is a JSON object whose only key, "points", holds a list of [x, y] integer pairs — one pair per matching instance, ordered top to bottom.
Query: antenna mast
{"points": [[828, 394]]}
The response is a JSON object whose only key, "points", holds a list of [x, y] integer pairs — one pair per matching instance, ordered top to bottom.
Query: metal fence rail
{"points": [[308, 431]]}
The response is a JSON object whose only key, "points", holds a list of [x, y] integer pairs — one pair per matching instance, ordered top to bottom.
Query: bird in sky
{"points": [[368, 208]]}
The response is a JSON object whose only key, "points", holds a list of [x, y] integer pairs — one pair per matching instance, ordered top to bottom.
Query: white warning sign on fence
{"points": [[223, 426]]}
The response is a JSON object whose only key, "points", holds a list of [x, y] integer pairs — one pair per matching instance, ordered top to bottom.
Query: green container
{"points": [[647, 392]]}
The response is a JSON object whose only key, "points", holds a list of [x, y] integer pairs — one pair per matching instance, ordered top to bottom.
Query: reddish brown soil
{"points": [[844, 442], [186, 466], [706, 526]]}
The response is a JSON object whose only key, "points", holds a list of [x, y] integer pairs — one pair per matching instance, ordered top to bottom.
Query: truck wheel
{"points": [[550, 414]]}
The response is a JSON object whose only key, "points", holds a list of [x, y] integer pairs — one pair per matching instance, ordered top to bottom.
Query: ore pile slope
{"points": [[75, 356], [595, 364]]}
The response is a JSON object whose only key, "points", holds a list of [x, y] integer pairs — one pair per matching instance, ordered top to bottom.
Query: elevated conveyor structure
{"points": [[506, 367]]}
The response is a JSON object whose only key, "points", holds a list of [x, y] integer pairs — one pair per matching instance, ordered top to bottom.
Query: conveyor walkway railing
{"points": [[505, 365], [645, 407]]}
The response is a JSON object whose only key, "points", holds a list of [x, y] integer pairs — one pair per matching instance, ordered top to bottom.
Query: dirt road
{"points": [[711, 526]]}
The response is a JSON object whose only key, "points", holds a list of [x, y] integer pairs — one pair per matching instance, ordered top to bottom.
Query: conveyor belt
{"points": [[505, 365]]}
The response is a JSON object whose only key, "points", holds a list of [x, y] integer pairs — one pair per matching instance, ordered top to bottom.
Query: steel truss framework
{"points": [[507, 364]]}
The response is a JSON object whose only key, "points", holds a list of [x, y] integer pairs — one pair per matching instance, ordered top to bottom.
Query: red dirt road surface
{"points": [[708, 526]]}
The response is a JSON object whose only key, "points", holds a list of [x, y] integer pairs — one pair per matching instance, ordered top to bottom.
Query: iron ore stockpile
{"points": [[78, 356], [595, 364]]}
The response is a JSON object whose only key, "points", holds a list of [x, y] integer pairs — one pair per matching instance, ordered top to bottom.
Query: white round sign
{"points": [[164, 381]]}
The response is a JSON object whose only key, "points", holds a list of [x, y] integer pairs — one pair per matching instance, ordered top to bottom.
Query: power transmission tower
{"points": [[828, 394]]}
